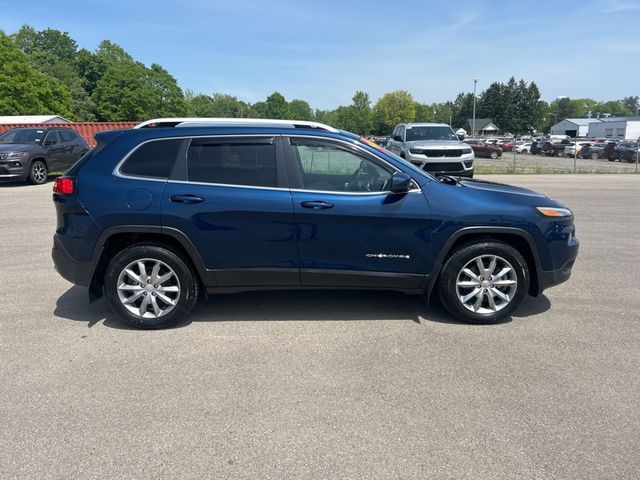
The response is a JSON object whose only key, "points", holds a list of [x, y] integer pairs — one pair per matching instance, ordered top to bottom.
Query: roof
{"points": [[8, 119], [619, 119], [231, 122], [582, 122], [481, 123]]}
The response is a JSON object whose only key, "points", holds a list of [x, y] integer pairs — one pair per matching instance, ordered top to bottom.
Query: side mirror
{"points": [[461, 137], [397, 138], [48, 142], [400, 183]]}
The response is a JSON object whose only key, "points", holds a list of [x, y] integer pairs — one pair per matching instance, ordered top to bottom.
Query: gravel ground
{"points": [[326, 385]]}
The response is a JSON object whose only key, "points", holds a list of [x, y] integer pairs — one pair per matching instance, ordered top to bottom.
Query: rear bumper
{"points": [[78, 273]]}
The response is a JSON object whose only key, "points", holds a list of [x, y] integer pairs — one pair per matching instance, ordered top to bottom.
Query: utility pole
{"points": [[473, 124]]}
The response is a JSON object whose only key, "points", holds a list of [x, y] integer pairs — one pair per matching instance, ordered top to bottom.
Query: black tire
{"points": [[524, 150], [560, 153], [494, 155], [595, 156], [611, 159], [38, 172], [188, 285], [447, 290]]}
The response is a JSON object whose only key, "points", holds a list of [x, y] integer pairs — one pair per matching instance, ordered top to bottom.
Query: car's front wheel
{"points": [[494, 154], [38, 172], [483, 282], [150, 286]]}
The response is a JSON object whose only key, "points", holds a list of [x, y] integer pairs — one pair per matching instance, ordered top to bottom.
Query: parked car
{"points": [[382, 141], [506, 146], [536, 146], [433, 147], [524, 147], [481, 149], [552, 149], [570, 150], [593, 151], [611, 151], [626, 151], [629, 152], [31, 153], [154, 216]]}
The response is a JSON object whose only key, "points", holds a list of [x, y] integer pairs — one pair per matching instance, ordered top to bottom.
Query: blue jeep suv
{"points": [[158, 216]]}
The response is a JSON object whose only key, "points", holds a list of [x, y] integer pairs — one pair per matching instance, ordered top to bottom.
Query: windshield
{"points": [[430, 133], [23, 136]]}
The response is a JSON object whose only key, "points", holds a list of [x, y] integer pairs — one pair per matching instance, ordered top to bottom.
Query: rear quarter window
{"points": [[153, 159]]}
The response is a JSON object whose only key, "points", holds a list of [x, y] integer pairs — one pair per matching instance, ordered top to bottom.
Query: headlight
{"points": [[467, 150], [13, 155], [554, 212]]}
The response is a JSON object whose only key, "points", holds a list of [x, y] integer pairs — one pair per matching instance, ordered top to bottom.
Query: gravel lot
{"points": [[527, 163], [323, 384]]}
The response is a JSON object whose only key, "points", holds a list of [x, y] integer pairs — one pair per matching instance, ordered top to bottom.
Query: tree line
{"points": [[45, 72]]}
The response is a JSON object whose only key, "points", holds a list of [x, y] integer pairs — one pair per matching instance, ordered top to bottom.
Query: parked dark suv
{"points": [[31, 153], [156, 216]]}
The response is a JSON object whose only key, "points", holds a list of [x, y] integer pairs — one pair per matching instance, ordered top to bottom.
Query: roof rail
{"points": [[231, 122]]}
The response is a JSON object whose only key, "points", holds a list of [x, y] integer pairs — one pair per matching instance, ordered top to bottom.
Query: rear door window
{"points": [[153, 159], [250, 162]]}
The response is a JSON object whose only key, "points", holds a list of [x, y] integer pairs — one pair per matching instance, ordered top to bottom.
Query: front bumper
{"points": [[460, 166], [9, 170], [78, 273], [550, 278]]}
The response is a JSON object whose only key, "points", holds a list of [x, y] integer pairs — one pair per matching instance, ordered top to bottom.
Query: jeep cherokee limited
{"points": [[433, 147], [31, 153], [157, 216]]}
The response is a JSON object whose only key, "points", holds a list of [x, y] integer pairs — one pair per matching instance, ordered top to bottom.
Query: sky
{"points": [[324, 51]]}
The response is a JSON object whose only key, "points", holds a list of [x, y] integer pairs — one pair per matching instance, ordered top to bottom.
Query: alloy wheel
{"points": [[38, 172], [486, 284], [148, 288]]}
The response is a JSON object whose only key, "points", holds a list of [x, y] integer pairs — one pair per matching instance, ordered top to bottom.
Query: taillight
{"points": [[64, 186]]}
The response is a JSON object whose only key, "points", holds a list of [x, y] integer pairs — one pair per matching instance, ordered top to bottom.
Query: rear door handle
{"points": [[186, 199], [316, 204]]}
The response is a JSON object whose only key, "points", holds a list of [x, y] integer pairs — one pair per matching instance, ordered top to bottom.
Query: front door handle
{"points": [[186, 199], [316, 204]]}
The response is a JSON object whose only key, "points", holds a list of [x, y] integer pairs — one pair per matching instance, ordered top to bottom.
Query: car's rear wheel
{"points": [[524, 150], [494, 154], [595, 155], [38, 172], [483, 282], [150, 286]]}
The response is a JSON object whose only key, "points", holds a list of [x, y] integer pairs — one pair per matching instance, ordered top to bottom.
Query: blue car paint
{"points": [[268, 235]]}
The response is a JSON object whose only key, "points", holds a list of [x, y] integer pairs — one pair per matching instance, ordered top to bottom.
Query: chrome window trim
{"points": [[366, 153], [116, 171]]}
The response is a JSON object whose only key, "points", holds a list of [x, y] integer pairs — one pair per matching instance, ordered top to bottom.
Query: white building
{"points": [[11, 119], [573, 127], [619, 128]]}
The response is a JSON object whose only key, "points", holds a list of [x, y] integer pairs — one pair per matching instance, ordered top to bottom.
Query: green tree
{"points": [[54, 53], [24, 89], [130, 91], [167, 99], [632, 104], [217, 106], [276, 107], [393, 108], [462, 109], [300, 110], [425, 112]]}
